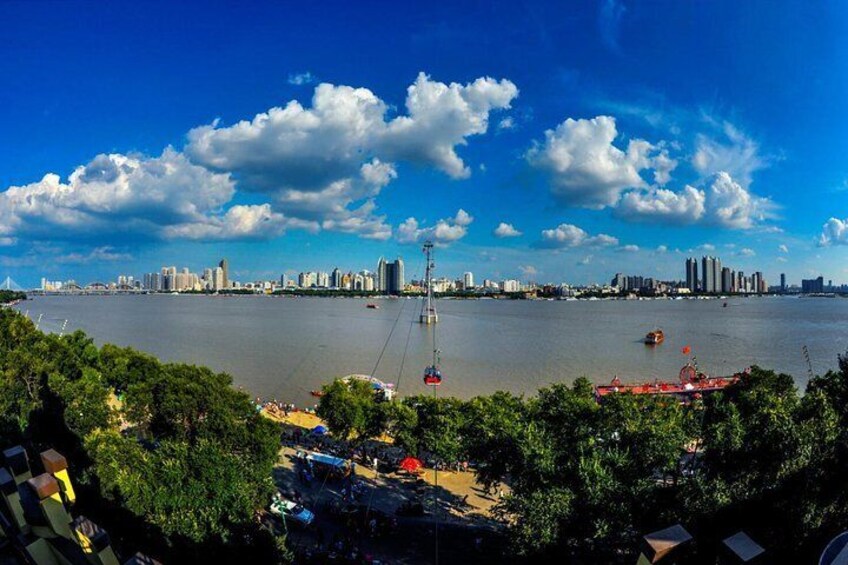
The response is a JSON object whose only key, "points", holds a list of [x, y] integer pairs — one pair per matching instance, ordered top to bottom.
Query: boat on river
{"points": [[655, 337], [691, 384]]}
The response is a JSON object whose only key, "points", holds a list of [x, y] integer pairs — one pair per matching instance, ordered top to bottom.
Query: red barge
{"points": [[692, 384]]}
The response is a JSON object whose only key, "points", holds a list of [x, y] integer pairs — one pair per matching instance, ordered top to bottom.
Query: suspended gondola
{"points": [[432, 376]]}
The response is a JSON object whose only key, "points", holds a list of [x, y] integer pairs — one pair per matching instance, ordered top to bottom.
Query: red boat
{"points": [[693, 384]]}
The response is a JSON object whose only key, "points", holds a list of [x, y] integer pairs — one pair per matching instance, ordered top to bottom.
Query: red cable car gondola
{"points": [[432, 376]]}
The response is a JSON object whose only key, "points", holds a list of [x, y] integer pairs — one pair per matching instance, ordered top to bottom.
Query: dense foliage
{"points": [[7, 296], [169, 455], [587, 479]]}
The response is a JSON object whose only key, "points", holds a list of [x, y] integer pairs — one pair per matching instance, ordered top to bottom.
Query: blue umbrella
{"points": [[319, 430]]}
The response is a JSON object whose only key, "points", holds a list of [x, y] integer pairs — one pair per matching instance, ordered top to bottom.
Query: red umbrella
{"points": [[410, 464]]}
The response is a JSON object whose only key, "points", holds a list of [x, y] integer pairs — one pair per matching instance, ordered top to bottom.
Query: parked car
{"points": [[291, 510]]}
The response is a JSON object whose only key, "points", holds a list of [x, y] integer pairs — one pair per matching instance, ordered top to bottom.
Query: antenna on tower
{"points": [[428, 309]]}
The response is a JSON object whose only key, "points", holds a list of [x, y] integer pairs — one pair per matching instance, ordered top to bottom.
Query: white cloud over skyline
{"points": [[322, 166], [318, 167], [116, 195], [506, 230], [444, 232], [834, 232], [569, 235]]}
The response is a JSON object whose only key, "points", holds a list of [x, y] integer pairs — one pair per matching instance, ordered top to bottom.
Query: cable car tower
{"points": [[428, 309]]}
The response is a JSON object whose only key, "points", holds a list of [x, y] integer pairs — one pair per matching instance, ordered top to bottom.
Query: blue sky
{"points": [[608, 136]]}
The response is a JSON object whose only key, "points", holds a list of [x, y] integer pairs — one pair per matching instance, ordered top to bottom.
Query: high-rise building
{"points": [[225, 269], [381, 274], [692, 274], [710, 274], [717, 274], [390, 276], [336, 278], [169, 279], [218, 279], [308, 279], [726, 279], [322, 280], [365, 280], [707, 280], [153, 281], [468, 281], [619, 281], [782, 282], [511, 285], [810, 286]]}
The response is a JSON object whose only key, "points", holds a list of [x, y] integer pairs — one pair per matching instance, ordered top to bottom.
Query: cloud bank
{"points": [[317, 167]]}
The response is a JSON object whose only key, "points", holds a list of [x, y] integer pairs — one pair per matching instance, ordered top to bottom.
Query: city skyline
{"points": [[607, 150], [704, 275]]}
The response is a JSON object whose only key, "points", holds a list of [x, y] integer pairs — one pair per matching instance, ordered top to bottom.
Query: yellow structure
{"points": [[56, 464], [34, 515], [94, 542]]}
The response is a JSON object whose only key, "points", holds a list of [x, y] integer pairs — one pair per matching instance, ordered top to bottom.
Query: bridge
{"points": [[9, 284], [94, 287]]}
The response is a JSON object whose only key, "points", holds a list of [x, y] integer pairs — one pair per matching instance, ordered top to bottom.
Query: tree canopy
{"points": [[169, 454]]}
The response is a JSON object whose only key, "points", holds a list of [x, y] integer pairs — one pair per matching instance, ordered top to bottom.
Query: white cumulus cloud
{"points": [[308, 148], [327, 162], [317, 166], [585, 168], [115, 195], [724, 203], [659, 204], [730, 205], [239, 222], [506, 230], [444, 232], [834, 232], [569, 235]]}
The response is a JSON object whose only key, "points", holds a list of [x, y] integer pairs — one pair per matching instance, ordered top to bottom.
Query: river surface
{"points": [[283, 347]]}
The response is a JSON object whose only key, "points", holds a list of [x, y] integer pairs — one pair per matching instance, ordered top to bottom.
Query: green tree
{"points": [[124, 366], [85, 401], [352, 410], [438, 426], [494, 430]]}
